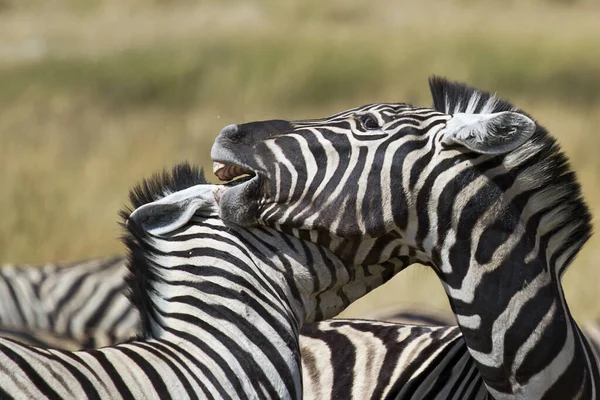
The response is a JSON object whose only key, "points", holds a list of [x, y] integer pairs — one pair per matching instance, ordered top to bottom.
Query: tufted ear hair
{"points": [[495, 133], [175, 210]]}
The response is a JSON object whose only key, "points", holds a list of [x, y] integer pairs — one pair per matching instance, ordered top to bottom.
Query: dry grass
{"points": [[96, 94]]}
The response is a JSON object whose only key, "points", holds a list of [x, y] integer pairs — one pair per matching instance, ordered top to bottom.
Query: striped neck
{"points": [[502, 275], [518, 328]]}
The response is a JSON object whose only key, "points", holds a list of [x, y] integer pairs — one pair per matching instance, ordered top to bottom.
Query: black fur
{"points": [[454, 97], [182, 176], [142, 271]]}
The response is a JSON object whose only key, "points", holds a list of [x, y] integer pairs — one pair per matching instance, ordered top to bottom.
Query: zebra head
{"points": [[361, 173]]}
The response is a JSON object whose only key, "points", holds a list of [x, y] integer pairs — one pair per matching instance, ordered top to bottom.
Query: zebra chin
{"points": [[238, 202]]}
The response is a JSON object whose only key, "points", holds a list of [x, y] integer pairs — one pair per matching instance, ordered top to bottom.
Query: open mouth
{"points": [[228, 172], [237, 199]]}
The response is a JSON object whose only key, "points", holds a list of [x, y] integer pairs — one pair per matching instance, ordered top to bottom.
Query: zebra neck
{"points": [[500, 243], [374, 261], [253, 319], [519, 330]]}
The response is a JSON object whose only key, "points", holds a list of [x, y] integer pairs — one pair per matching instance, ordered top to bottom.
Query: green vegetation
{"points": [[116, 90]]}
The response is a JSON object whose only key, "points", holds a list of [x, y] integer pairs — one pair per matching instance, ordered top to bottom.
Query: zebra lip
{"points": [[227, 172]]}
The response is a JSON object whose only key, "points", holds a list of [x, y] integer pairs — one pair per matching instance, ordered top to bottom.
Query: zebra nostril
{"points": [[232, 133]]}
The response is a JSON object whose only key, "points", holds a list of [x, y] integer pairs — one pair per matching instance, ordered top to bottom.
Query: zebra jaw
{"points": [[239, 198]]}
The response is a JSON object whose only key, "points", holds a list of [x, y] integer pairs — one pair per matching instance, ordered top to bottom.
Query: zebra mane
{"points": [[454, 97], [540, 165], [181, 176], [142, 270]]}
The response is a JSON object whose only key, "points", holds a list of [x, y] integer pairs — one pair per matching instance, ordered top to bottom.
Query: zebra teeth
{"points": [[217, 166], [227, 172]]}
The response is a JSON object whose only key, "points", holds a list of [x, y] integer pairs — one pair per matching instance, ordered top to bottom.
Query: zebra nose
{"points": [[232, 128], [231, 132], [252, 132], [233, 135]]}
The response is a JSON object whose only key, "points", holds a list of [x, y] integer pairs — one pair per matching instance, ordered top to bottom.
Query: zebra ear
{"points": [[495, 133], [175, 210]]}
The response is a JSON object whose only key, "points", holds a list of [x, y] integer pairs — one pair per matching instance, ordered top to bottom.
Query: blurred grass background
{"points": [[96, 94]]}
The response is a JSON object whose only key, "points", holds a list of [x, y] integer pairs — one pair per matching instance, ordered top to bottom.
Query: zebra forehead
{"points": [[382, 109]]}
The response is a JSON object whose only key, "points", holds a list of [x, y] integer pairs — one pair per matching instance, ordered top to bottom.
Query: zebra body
{"points": [[472, 187], [84, 300], [220, 308], [340, 358], [343, 359]]}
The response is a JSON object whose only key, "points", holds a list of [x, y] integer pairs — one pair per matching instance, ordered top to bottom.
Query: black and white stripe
{"points": [[472, 187], [84, 300], [220, 307], [418, 315], [340, 358], [344, 358], [388, 361]]}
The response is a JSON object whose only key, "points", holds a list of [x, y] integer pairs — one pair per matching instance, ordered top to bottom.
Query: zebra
{"points": [[473, 186], [84, 300], [220, 307], [418, 315], [332, 351], [352, 358]]}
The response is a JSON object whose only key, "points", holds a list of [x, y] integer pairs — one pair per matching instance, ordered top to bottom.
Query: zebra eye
{"points": [[368, 122]]}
